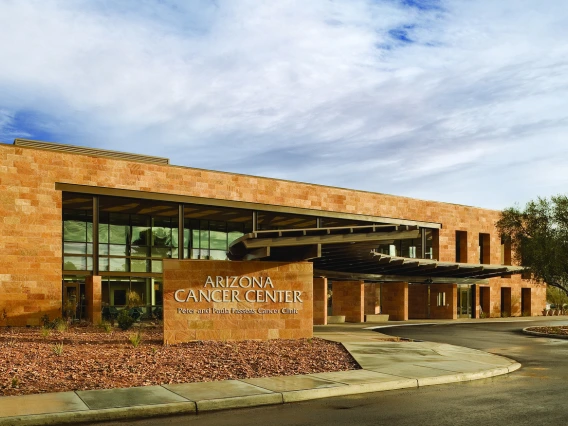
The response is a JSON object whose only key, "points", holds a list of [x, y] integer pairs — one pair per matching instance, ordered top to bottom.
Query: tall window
{"points": [[78, 236], [461, 246], [484, 248]]}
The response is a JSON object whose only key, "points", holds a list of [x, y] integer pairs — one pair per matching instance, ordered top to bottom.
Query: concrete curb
{"points": [[536, 333], [308, 394], [239, 402], [110, 414]]}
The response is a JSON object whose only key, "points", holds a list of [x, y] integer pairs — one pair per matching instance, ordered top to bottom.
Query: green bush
{"points": [[124, 320]]}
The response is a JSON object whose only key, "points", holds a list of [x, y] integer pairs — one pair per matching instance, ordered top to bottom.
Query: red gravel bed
{"points": [[560, 330], [93, 359]]}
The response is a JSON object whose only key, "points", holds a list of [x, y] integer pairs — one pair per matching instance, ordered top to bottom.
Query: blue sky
{"points": [[458, 101]]}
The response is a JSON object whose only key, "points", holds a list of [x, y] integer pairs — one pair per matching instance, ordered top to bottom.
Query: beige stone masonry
{"points": [[238, 317]]}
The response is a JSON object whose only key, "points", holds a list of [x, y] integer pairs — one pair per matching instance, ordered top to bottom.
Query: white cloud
{"points": [[444, 103]]}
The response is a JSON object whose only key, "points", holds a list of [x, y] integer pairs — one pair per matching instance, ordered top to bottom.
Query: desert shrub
{"points": [[124, 320], [44, 321], [60, 325], [106, 326], [135, 339], [57, 349]]}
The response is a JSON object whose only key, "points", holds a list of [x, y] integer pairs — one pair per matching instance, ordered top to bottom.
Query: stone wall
{"points": [[417, 301]]}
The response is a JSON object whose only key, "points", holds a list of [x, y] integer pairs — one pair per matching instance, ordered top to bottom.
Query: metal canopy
{"points": [[350, 253]]}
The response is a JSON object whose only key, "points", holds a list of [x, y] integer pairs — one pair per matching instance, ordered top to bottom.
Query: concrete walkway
{"points": [[386, 365]]}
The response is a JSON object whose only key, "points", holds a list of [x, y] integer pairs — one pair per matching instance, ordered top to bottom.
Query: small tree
{"points": [[539, 238], [556, 297], [133, 299]]}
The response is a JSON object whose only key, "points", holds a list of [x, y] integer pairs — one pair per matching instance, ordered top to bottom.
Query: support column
{"points": [[93, 299], [348, 299], [371, 299], [395, 300], [320, 301], [444, 301], [485, 301]]}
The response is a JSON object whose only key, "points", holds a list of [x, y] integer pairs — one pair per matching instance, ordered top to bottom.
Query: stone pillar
{"points": [[93, 299], [348, 299], [371, 299], [395, 300], [320, 301], [444, 301]]}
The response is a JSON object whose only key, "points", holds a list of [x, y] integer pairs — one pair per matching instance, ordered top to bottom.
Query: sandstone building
{"points": [[82, 228]]}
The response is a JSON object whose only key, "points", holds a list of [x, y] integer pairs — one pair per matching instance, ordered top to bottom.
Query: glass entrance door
{"points": [[71, 300], [464, 301]]}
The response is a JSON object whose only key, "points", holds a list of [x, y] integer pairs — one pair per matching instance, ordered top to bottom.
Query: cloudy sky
{"points": [[464, 101]]}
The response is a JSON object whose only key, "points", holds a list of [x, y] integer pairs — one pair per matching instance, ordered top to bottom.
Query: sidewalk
{"points": [[386, 365]]}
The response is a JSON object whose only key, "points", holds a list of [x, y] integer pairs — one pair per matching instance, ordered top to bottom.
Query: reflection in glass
{"points": [[73, 263], [118, 265], [138, 265]]}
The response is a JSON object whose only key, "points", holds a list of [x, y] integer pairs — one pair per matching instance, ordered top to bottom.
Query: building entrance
{"points": [[73, 300], [464, 301]]}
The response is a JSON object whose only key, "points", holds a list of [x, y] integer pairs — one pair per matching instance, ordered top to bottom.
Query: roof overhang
{"points": [[177, 198], [350, 253]]}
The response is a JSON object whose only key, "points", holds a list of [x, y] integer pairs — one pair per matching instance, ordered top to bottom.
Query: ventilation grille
{"points": [[80, 150]]}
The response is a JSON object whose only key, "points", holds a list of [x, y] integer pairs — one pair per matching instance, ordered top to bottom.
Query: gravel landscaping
{"points": [[561, 330], [34, 360]]}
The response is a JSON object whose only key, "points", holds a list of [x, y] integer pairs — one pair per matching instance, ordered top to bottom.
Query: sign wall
{"points": [[229, 300]]}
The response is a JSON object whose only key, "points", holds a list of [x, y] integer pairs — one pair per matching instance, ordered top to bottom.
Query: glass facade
{"points": [[208, 231], [78, 235], [125, 240]]}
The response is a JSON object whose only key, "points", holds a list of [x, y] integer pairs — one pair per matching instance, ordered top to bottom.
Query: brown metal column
{"points": [[95, 235], [181, 242]]}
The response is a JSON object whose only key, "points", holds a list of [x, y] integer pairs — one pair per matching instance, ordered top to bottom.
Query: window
{"points": [[208, 231], [135, 235], [78, 238], [461, 246], [484, 249], [505, 250], [441, 299]]}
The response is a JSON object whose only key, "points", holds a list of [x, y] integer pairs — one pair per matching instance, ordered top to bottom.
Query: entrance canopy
{"points": [[352, 253]]}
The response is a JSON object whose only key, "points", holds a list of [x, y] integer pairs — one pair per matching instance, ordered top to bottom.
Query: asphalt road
{"points": [[534, 395]]}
